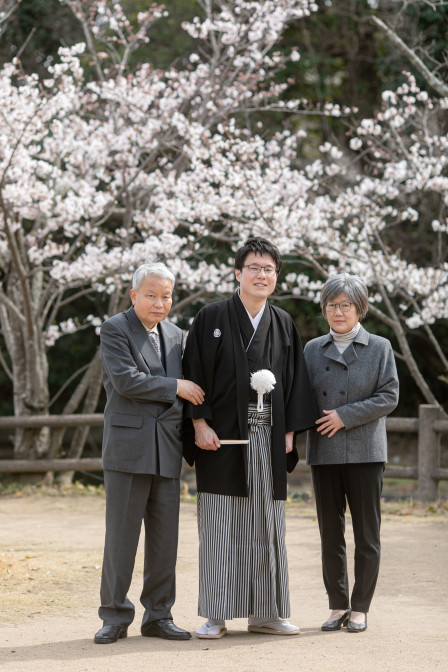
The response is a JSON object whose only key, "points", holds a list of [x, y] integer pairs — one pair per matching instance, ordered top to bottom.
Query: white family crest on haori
{"points": [[217, 333], [262, 381]]}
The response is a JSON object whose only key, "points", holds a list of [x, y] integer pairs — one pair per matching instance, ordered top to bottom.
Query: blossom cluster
{"points": [[98, 176]]}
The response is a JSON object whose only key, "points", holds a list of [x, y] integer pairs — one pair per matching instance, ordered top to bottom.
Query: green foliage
{"points": [[39, 27], [424, 29], [168, 42], [338, 61], [6, 400]]}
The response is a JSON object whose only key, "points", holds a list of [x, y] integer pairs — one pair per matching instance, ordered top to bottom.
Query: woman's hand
{"points": [[331, 422], [204, 436], [289, 441]]}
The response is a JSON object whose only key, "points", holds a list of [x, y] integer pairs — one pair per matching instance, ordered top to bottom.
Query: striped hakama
{"points": [[243, 568]]}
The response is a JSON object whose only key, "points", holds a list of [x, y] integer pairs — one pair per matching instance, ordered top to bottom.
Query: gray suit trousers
{"points": [[131, 498]]}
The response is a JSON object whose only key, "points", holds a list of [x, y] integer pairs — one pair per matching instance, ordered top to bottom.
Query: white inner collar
{"points": [[254, 320]]}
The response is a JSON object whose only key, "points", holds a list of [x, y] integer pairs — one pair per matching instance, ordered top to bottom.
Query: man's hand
{"points": [[188, 390], [331, 422], [205, 437], [289, 441]]}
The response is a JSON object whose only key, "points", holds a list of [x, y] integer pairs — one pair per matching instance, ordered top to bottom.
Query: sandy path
{"points": [[50, 557]]}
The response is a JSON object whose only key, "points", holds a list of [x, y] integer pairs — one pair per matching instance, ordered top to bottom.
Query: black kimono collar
{"points": [[257, 345]]}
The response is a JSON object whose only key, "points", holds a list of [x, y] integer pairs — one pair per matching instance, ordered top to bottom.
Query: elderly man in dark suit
{"points": [[142, 455]]}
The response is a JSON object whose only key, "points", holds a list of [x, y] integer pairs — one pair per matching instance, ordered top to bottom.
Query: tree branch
{"points": [[436, 83]]}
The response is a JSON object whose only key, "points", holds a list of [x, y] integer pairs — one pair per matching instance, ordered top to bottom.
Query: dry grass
{"points": [[45, 582]]}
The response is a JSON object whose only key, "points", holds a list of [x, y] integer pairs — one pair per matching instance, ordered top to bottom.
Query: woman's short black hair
{"points": [[258, 245]]}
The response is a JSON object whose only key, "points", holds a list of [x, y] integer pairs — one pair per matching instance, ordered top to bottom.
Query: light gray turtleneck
{"points": [[341, 341]]}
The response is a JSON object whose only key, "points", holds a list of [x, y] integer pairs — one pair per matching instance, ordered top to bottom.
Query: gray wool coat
{"points": [[361, 384]]}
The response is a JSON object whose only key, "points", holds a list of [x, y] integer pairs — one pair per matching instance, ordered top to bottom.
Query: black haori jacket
{"points": [[215, 358]]}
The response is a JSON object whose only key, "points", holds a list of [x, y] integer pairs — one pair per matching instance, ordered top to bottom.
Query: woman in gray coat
{"points": [[355, 383]]}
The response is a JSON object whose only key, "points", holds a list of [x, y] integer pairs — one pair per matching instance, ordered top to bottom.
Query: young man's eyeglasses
{"points": [[256, 268], [345, 307]]}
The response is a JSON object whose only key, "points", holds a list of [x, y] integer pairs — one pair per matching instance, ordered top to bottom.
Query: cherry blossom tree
{"points": [[82, 162], [102, 168], [334, 215]]}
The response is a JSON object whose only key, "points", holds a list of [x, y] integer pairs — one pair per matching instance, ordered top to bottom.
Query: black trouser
{"points": [[360, 485]]}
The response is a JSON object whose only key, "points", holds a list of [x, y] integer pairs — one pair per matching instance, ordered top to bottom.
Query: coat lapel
{"points": [[245, 325], [143, 342], [168, 344], [256, 345], [260, 347], [331, 351], [349, 355], [241, 366]]}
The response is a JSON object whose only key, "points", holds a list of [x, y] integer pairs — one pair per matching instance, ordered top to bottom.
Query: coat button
{"points": [[327, 369], [324, 393]]}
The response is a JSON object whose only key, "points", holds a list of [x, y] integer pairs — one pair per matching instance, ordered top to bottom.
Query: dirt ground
{"points": [[50, 563]]}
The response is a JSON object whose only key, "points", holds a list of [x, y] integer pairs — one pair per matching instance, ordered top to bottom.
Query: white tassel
{"points": [[262, 381]]}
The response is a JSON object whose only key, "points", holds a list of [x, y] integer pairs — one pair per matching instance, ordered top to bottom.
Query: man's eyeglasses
{"points": [[256, 268], [345, 307]]}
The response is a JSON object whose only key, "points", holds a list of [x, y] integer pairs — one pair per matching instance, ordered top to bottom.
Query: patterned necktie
{"points": [[155, 341]]}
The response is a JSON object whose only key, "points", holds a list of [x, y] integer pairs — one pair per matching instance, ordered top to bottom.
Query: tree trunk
{"points": [[394, 322], [30, 380], [92, 381], [81, 433]]}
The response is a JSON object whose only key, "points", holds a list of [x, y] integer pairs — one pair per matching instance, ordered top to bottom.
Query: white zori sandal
{"points": [[273, 626], [212, 629]]}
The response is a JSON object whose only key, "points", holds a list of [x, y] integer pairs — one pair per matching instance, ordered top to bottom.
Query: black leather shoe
{"points": [[337, 624], [357, 627], [165, 629], [110, 633]]}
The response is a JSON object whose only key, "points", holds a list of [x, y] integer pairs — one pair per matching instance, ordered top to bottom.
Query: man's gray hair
{"points": [[155, 268], [352, 285]]}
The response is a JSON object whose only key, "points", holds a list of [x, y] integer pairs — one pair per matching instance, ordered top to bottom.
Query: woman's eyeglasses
{"points": [[345, 307]]}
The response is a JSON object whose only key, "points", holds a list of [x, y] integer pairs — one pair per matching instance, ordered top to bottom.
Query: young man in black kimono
{"points": [[243, 570]]}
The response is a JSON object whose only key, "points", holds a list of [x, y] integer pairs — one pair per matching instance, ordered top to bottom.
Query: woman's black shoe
{"points": [[339, 623], [357, 627]]}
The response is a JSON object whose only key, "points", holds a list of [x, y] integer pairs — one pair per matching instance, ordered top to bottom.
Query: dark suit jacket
{"points": [[143, 414]]}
